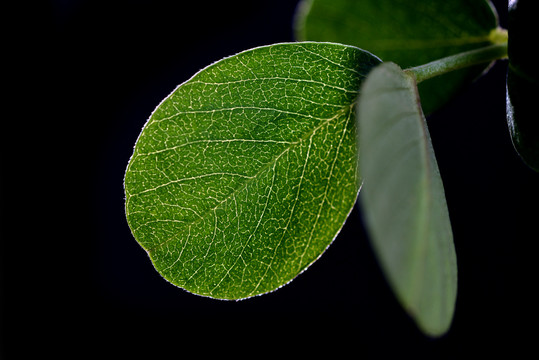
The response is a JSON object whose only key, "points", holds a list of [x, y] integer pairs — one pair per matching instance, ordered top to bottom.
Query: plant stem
{"points": [[459, 61]]}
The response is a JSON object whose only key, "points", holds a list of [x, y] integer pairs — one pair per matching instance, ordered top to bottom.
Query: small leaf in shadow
{"points": [[403, 199]]}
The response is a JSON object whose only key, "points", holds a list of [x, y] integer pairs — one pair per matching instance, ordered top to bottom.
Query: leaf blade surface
{"points": [[409, 33], [244, 175], [403, 199]]}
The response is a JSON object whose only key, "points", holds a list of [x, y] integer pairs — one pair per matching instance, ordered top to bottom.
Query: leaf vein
{"points": [[249, 179]]}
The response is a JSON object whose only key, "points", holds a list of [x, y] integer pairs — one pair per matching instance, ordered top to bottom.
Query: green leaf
{"points": [[409, 33], [523, 82], [244, 175], [403, 199]]}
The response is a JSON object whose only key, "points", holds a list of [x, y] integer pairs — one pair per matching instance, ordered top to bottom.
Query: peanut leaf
{"points": [[409, 33], [523, 82], [244, 175], [403, 199]]}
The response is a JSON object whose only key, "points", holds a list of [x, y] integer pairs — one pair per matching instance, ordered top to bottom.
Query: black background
{"points": [[87, 75]]}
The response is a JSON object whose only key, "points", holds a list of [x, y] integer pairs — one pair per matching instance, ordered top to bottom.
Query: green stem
{"points": [[459, 61]]}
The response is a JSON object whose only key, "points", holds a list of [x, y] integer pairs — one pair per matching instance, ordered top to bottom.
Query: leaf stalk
{"points": [[459, 61]]}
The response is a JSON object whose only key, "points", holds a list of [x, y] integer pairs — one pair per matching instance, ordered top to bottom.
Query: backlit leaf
{"points": [[244, 175]]}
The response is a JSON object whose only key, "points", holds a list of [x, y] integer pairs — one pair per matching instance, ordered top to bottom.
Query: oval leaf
{"points": [[409, 33], [523, 82], [243, 176], [403, 198]]}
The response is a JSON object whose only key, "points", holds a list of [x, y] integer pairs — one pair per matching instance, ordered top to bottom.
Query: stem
{"points": [[459, 61]]}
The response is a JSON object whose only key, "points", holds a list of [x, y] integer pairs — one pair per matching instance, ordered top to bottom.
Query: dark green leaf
{"points": [[409, 33], [523, 81], [244, 175], [403, 198]]}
